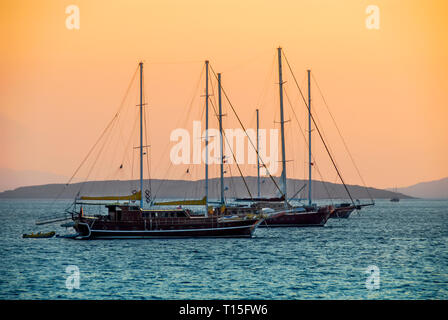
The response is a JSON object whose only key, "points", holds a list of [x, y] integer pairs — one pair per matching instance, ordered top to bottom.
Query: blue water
{"points": [[407, 241]]}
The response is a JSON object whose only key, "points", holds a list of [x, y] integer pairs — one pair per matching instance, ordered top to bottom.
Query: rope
{"points": [[178, 123], [320, 134], [342, 138], [249, 139], [98, 140], [307, 146], [233, 155]]}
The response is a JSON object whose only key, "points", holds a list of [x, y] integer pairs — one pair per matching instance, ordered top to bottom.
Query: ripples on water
{"points": [[406, 240]]}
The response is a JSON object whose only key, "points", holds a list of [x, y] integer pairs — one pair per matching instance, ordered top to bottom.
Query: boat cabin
{"points": [[133, 213]]}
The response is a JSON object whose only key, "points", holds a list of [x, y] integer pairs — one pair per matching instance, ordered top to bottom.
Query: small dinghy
{"points": [[39, 235]]}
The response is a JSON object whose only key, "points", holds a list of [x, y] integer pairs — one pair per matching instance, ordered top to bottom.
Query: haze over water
{"points": [[407, 241]]}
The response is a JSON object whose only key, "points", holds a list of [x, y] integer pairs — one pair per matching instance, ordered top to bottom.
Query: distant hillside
{"points": [[11, 179], [188, 189], [430, 190]]}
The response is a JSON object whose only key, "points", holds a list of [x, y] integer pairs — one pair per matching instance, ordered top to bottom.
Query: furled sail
{"points": [[135, 196], [182, 202]]}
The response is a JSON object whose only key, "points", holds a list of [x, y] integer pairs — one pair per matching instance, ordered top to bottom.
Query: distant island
{"points": [[185, 189], [437, 189]]}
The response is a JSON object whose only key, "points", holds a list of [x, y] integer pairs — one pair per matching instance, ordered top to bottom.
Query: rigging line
{"points": [[175, 62], [247, 62], [264, 91], [213, 95], [188, 111], [315, 114], [253, 120], [110, 123], [178, 123], [317, 128], [104, 131], [290, 133], [121, 135], [342, 138], [249, 139], [147, 143], [307, 146], [147, 151], [97, 154], [125, 155], [233, 155], [86, 157], [95, 161], [132, 166], [169, 167], [112, 175], [163, 180], [325, 183], [232, 184], [186, 189]]}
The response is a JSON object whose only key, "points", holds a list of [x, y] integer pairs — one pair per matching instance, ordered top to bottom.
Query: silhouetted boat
{"points": [[395, 198], [287, 215], [300, 217], [125, 221], [133, 222]]}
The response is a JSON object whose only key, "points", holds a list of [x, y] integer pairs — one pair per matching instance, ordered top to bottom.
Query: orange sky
{"points": [[387, 88]]}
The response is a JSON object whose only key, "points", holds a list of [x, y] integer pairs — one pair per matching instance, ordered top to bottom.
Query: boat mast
{"points": [[282, 122], [141, 134], [206, 138], [220, 138], [258, 156], [310, 163]]}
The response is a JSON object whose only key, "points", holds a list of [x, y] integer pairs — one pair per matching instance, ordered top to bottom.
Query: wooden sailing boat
{"points": [[220, 208], [342, 210], [288, 215], [124, 221]]}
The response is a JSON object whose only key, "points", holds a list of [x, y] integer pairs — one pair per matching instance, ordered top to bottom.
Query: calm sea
{"points": [[406, 242]]}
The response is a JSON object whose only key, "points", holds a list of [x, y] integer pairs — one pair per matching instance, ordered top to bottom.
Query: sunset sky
{"points": [[387, 88]]}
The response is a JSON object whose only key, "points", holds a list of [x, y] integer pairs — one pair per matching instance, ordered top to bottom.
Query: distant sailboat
{"points": [[395, 198]]}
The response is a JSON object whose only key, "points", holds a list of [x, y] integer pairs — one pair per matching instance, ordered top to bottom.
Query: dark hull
{"points": [[281, 199], [342, 213], [298, 219], [240, 229]]}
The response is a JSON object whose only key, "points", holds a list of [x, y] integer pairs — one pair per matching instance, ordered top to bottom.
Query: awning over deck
{"points": [[135, 196]]}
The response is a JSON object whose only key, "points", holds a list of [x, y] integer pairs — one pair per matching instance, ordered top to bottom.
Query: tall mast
{"points": [[282, 123], [141, 134], [206, 138], [220, 138], [258, 156], [310, 163]]}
